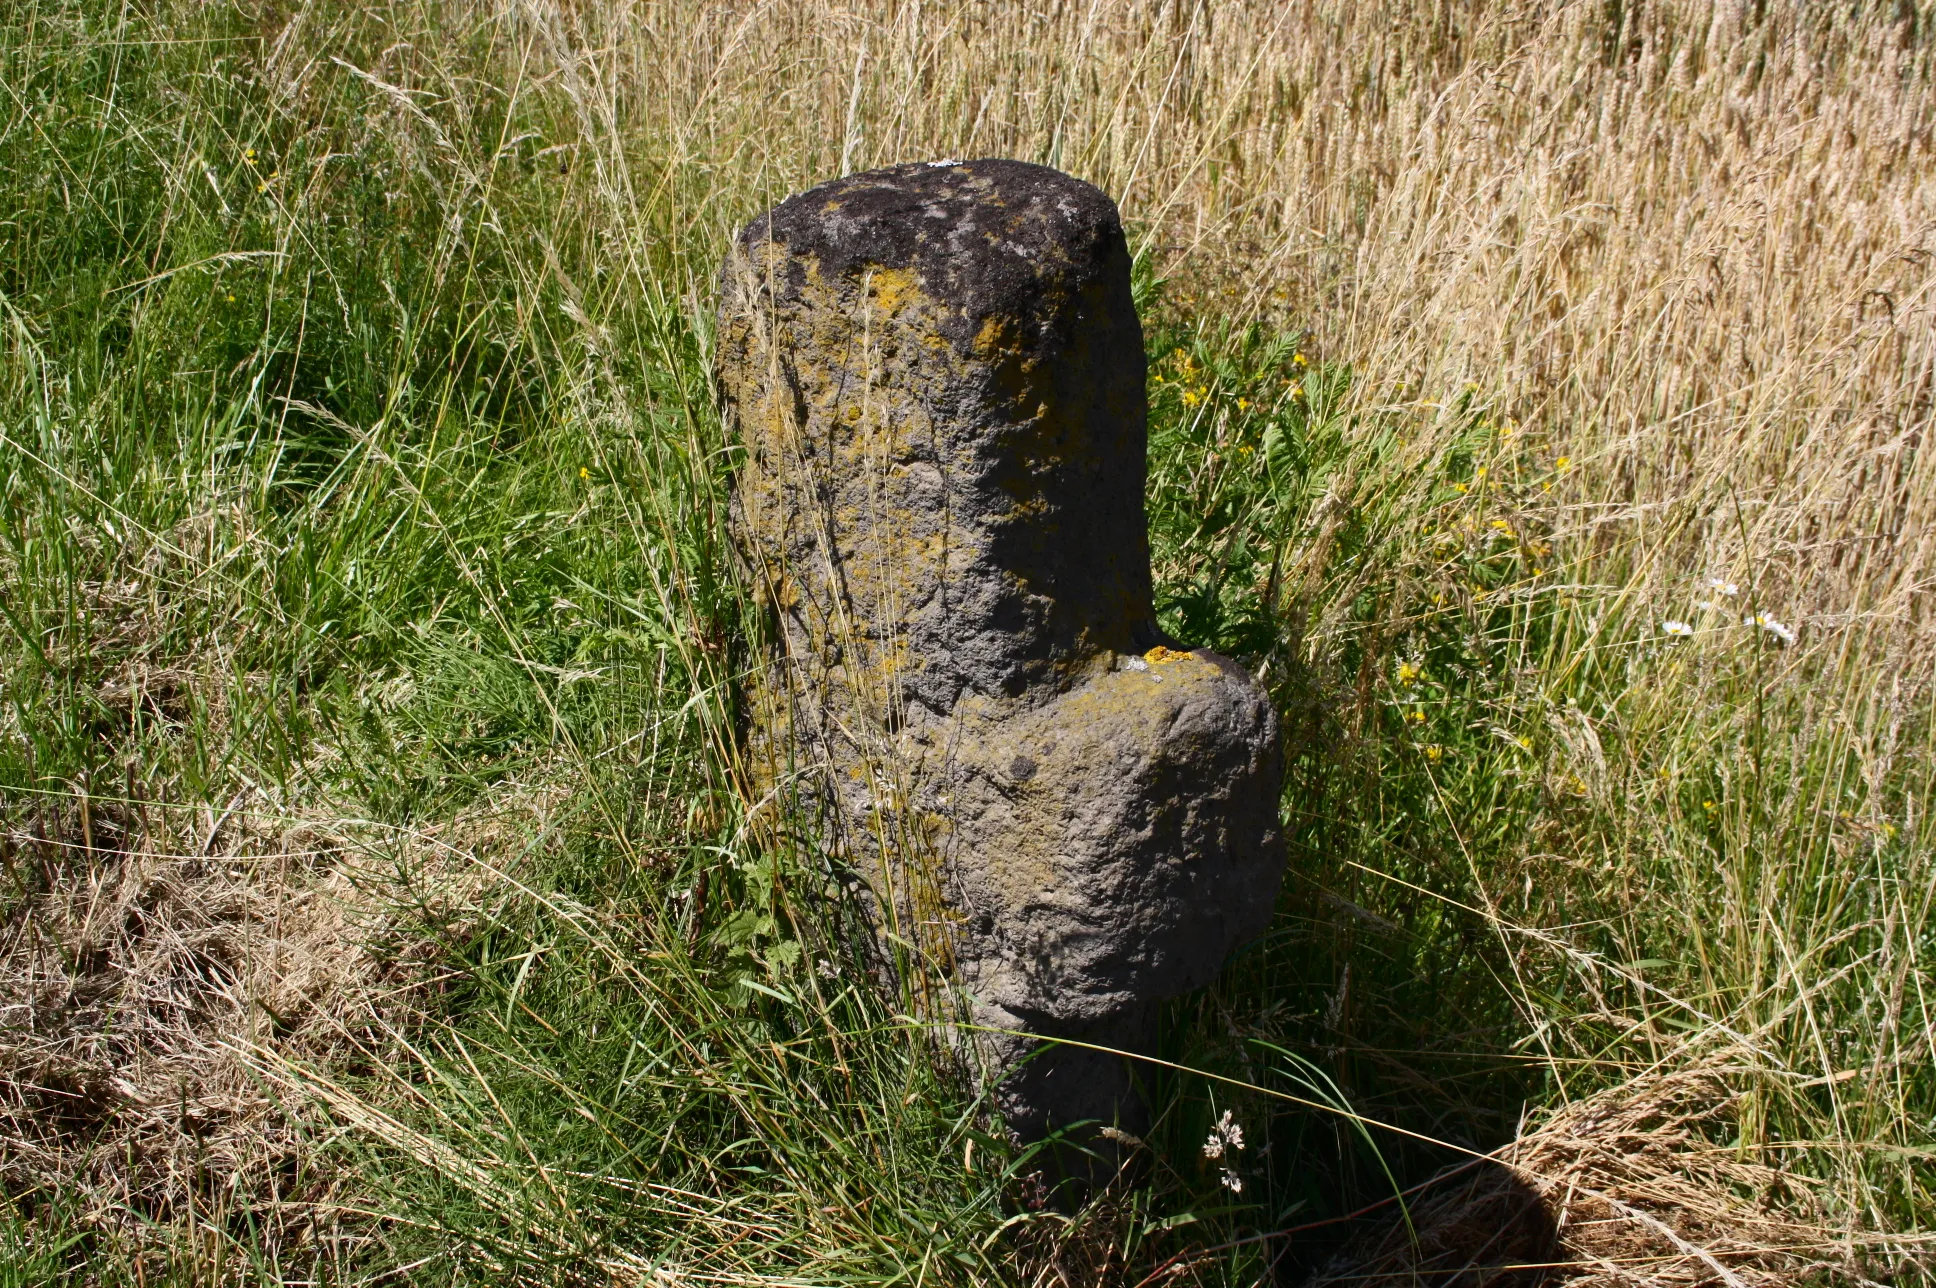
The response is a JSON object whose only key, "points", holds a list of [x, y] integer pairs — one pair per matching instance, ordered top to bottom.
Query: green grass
{"points": [[361, 474]]}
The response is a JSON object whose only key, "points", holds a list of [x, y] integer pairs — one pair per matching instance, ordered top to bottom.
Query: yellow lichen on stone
{"points": [[892, 288], [996, 335], [1159, 655]]}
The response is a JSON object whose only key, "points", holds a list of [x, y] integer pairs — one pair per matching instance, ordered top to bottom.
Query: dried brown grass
{"points": [[166, 964], [134, 976], [1634, 1186]]}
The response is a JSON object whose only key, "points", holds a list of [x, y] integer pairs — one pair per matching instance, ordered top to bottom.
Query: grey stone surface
{"points": [[937, 374]]}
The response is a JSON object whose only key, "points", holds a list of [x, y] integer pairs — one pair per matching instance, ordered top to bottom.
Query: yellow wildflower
{"points": [[1563, 464], [584, 473], [1407, 673], [1434, 753]]}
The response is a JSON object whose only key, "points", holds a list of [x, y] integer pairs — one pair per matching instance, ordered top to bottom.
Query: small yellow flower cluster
{"points": [[248, 159], [1189, 375], [1407, 673]]}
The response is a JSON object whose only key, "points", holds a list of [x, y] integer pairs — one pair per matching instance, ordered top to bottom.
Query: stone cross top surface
{"points": [[937, 374]]}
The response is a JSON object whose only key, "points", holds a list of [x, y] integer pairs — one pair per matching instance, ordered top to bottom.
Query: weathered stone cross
{"points": [[937, 374]]}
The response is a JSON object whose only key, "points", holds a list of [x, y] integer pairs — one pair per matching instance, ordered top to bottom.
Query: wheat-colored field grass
{"points": [[1539, 397]]}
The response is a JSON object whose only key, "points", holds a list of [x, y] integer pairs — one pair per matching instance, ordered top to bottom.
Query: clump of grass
{"points": [[366, 682]]}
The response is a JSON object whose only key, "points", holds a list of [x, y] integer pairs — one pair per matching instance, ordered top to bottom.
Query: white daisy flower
{"points": [[1723, 587], [1673, 626], [1783, 633]]}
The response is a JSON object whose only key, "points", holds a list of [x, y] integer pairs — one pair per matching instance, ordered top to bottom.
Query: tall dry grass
{"points": [[1689, 243]]}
